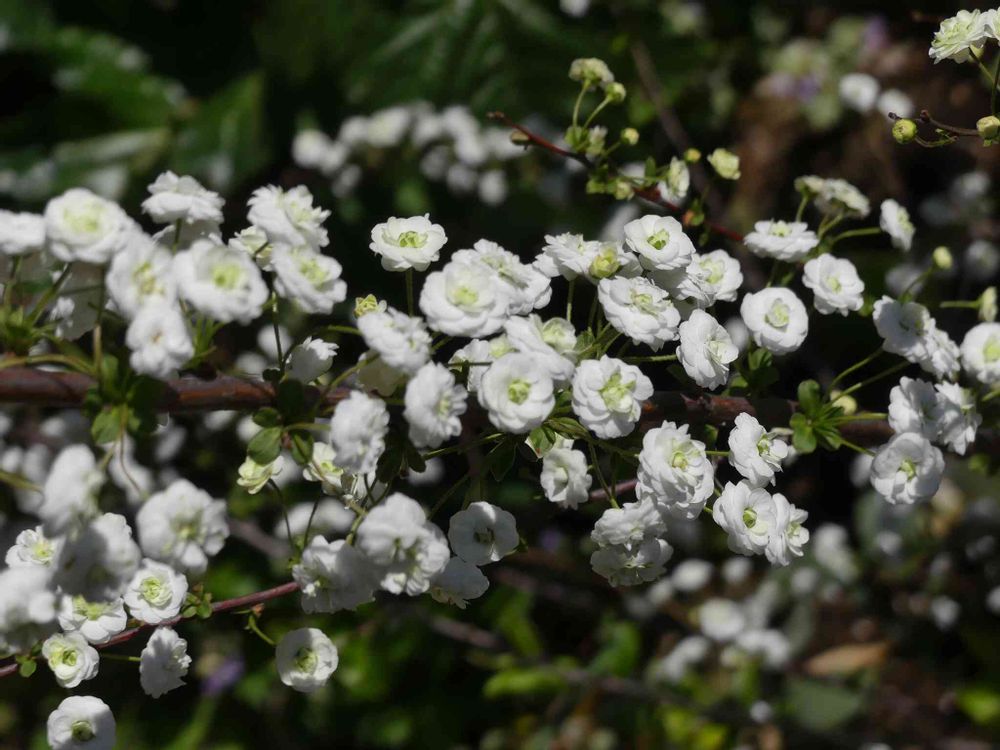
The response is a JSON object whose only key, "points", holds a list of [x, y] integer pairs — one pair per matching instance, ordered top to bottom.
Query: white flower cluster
{"points": [[454, 148]]}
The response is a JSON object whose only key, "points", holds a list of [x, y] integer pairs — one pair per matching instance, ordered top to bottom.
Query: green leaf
{"points": [[810, 399], [291, 400], [267, 416], [107, 426], [567, 426], [803, 436], [542, 439], [265, 446], [302, 446], [414, 459], [27, 668], [521, 681], [981, 702], [821, 706]]}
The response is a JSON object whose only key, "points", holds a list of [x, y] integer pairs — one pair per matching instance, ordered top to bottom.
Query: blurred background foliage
{"points": [[108, 93]]}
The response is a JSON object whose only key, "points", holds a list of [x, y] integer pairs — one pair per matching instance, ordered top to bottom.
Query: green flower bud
{"points": [[591, 72], [615, 92], [988, 127], [904, 130], [630, 136], [692, 155], [725, 163], [623, 189], [942, 258], [605, 263], [364, 305], [988, 305], [846, 402]]}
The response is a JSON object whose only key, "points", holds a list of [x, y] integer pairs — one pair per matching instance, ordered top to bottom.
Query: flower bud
{"points": [[615, 92], [988, 127], [904, 130], [630, 136], [519, 139], [692, 155], [725, 163], [623, 190], [942, 258], [365, 305], [988, 305], [846, 402]]}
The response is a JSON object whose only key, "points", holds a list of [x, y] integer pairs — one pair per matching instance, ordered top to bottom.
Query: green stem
{"points": [[576, 106], [597, 110], [802, 207], [864, 232], [409, 291], [49, 295], [569, 300], [962, 303], [343, 329], [277, 333], [656, 358], [855, 367], [885, 373], [863, 417], [464, 446], [855, 447], [717, 453], [600, 475], [448, 493], [253, 627], [119, 657]]}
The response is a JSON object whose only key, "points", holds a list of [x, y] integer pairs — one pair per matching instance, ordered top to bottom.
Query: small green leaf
{"points": [[810, 399], [291, 400], [267, 416], [107, 426], [803, 436], [265, 446], [302, 446], [27, 668], [520, 681]]}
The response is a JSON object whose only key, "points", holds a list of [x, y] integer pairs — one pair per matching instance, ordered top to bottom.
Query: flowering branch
{"points": [[240, 602]]}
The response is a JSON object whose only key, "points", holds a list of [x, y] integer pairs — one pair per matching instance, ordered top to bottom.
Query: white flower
{"points": [[960, 37], [858, 91], [675, 187], [841, 197], [175, 198], [288, 216], [895, 221], [82, 226], [21, 233], [781, 240], [660, 242], [254, 243], [407, 243], [570, 253], [609, 259], [141, 275], [308, 278], [707, 279], [222, 282], [835, 284], [526, 287], [464, 299], [76, 308], [639, 309], [777, 319], [904, 327], [159, 339], [401, 341], [552, 344], [706, 350], [981, 353], [942, 357], [311, 359], [472, 360], [375, 375], [517, 393], [608, 396], [434, 405], [914, 406], [959, 419], [357, 432], [754, 452], [323, 468], [907, 469], [674, 471], [253, 476], [564, 478], [70, 490], [747, 514], [628, 525], [182, 526], [482, 533], [397, 536], [788, 536], [33, 549], [99, 561], [625, 565], [334, 576], [458, 582], [155, 593], [27, 608], [722, 620], [98, 622], [771, 647], [689, 651], [71, 659], [305, 659], [163, 662], [81, 722]]}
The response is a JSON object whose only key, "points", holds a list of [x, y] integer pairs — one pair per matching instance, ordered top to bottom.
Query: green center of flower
{"points": [[85, 219], [780, 229], [412, 239], [659, 239], [605, 264], [714, 270], [312, 271], [227, 275], [145, 280], [833, 283], [464, 296], [778, 314], [991, 352], [518, 390], [617, 393], [764, 445], [679, 460], [909, 468], [749, 518], [484, 536], [42, 550], [153, 591], [306, 660], [81, 731]]}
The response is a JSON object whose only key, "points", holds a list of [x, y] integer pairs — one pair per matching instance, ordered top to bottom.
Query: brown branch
{"points": [[240, 602]]}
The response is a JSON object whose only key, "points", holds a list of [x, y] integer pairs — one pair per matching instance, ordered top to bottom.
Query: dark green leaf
{"points": [[810, 398], [267, 416], [107, 426], [265, 446], [302, 446]]}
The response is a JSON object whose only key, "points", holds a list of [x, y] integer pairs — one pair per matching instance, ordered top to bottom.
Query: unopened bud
{"points": [[591, 72], [615, 92], [988, 127], [904, 130], [630, 136], [519, 139], [692, 155], [725, 163], [623, 190], [942, 258], [605, 263], [369, 304], [988, 305], [847, 403]]}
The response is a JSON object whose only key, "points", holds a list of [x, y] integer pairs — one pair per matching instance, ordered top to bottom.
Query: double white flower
{"points": [[407, 243], [776, 318], [706, 350], [517, 392], [608, 396], [907, 469], [674, 471]]}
